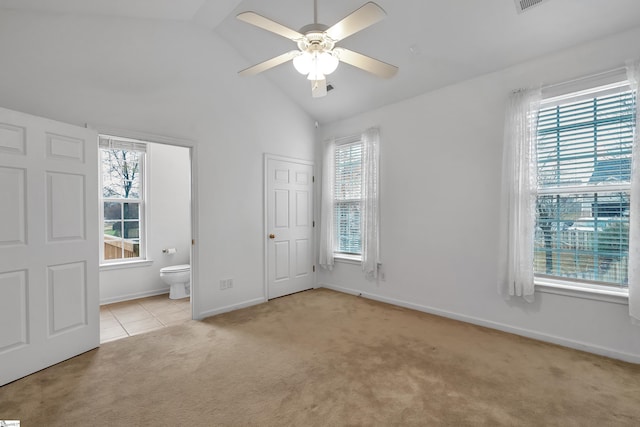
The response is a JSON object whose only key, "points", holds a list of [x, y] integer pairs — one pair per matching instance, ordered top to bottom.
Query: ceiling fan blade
{"points": [[362, 18], [269, 25], [270, 63], [374, 66], [318, 88]]}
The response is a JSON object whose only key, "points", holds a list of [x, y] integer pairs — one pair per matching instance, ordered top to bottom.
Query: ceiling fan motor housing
{"points": [[315, 39]]}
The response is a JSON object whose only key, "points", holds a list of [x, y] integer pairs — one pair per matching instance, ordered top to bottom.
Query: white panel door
{"points": [[289, 209], [49, 303]]}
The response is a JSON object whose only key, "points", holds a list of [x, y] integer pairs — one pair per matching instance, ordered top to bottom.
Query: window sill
{"points": [[348, 259], [126, 264], [585, 291]]}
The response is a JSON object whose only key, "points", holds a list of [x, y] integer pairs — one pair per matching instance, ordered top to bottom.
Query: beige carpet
{"points": [[323, 358]]}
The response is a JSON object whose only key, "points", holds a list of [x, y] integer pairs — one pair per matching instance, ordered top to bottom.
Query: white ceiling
{"points": [[434, 42]]}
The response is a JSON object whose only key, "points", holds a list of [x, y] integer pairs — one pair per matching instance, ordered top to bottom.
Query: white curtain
{"points": [[633, 74], [518, 196], [326, 210], [370, 214]]}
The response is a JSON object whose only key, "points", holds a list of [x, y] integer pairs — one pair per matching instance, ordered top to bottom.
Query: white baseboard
{"points": [[136, 295], [232, 307], [578, 345]]}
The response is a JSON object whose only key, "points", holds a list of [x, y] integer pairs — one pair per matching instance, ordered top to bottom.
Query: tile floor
{"points": [[127, 318]]}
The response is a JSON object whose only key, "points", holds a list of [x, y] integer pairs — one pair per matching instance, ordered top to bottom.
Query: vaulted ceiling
{"points": [[434, 42]]}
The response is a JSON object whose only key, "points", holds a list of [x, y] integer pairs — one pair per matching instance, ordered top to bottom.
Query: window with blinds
{"points": [[584, 145], [122, 164], [348, 197]]}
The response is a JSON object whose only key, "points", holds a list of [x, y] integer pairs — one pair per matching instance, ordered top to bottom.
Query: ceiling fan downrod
{"points": [[315, 11]]}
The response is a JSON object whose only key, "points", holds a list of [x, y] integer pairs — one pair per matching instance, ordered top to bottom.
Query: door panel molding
{"points": [[13, 139], [65, 147], [13, 187], [13, 294]]}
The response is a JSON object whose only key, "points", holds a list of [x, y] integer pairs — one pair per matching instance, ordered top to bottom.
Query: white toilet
{"points": [[178, 277]]}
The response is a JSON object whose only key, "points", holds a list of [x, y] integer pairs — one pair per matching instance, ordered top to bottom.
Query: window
{"points": [[584, 143], [122, 164], [348, 198], [350, 213]]}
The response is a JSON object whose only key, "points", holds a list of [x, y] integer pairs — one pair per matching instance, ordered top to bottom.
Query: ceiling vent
{"points": [[524, 5]]}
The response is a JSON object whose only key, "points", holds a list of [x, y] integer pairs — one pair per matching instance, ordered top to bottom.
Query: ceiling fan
{"points": [[317, 55]]}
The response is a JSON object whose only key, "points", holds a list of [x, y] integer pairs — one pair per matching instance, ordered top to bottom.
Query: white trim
{"points": [[557, 92], [141, 136], [110, 142], [193, 150], [269, 156], [147, 165], [142, 202], [265, 225], [195, 241], [347, 259], [126, 264], [582, 290], [136, 295], [228, 308], [578, 345]]}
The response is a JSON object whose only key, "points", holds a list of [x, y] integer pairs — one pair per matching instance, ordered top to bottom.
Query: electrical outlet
{"points": [[383, 276], [226, 284]]}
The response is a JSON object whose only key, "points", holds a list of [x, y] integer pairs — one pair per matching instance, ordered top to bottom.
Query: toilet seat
{"points": [[176, 268]]}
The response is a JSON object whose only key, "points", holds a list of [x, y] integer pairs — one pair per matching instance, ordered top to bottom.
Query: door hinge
{"points": [[313, 179], [313, 223], [193, 242], [314, 268]]}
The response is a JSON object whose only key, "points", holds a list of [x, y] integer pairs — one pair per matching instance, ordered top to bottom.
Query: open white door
{"points": [[289, 209], [49, 302]]}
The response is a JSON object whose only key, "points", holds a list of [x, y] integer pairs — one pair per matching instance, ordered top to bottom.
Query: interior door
{"points": [[289, 226], [49, 303]]}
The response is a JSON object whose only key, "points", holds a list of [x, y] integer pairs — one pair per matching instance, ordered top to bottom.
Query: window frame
{"points": [[572, 92], [140, 147], [337, 254]]}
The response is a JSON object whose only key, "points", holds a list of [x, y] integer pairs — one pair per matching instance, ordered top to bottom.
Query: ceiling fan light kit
{"points": [[317, 55], [316, 65]]}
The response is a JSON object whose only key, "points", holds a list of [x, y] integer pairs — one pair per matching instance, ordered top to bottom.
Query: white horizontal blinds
{"points": [[586, 142], [118, 143], [584, 170], [348, 197]]}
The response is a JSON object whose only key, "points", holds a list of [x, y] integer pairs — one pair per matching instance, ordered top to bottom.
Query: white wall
{"points": [[169, 79], [440, 172], [168, 225]]}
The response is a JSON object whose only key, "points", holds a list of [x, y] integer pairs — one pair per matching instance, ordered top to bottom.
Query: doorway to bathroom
{"points": [[146, 233]]}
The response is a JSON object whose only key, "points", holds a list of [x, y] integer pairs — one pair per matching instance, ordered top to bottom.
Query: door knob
{"points": [[272, 236]]}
